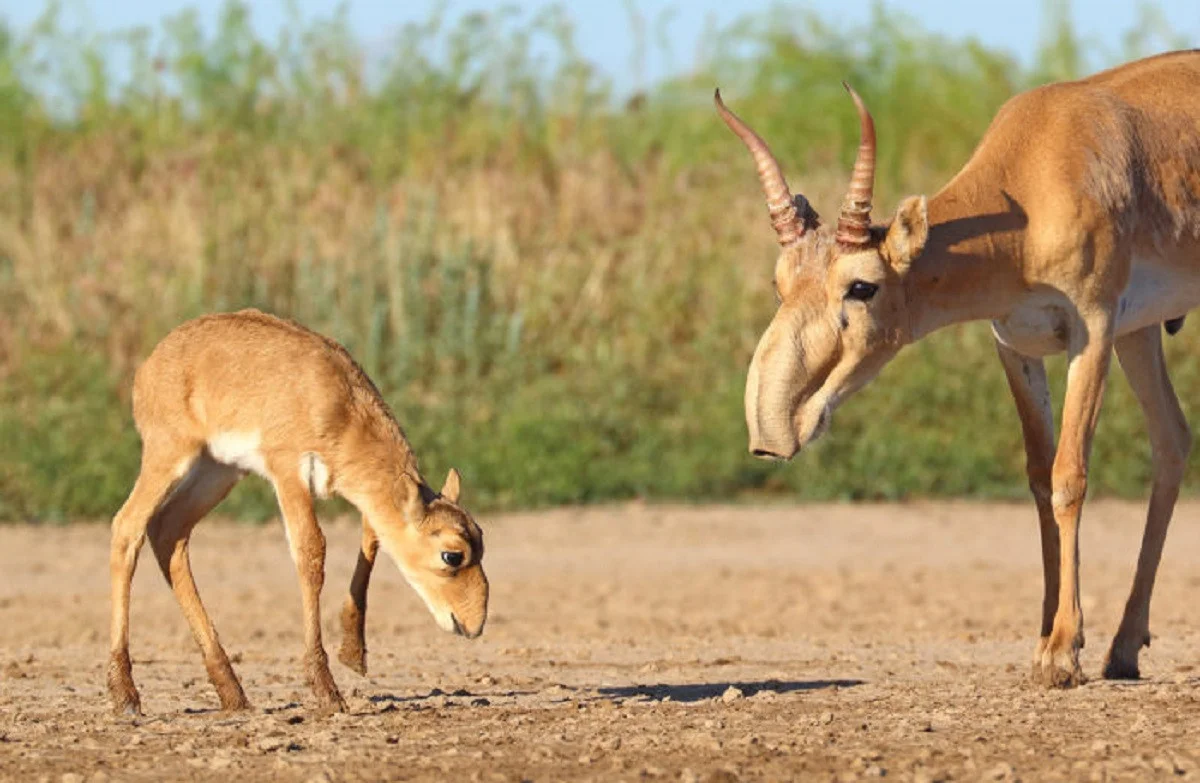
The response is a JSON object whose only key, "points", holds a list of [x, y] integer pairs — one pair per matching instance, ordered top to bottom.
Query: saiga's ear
{"points": [[907, 234], [453, 486], [410, 499]]}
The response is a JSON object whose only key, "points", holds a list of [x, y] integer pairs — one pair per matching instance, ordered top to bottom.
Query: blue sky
{"points": [[604, 27]]}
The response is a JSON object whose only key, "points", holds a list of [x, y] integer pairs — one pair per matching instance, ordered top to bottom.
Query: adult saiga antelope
{"points": [[1074, 226], [228, 394]]}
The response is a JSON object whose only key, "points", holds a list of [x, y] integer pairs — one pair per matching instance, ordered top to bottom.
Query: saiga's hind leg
{"points": [[1141, 357]]}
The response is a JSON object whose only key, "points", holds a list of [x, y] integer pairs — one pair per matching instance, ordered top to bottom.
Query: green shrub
{"points": [[556, 288]]}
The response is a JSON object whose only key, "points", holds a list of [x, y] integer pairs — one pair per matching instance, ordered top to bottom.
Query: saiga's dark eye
{"points": [[861, 291], [452, 559]]}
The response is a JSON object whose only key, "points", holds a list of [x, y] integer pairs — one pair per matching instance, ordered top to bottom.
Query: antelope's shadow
{"points": [[693, 692]]}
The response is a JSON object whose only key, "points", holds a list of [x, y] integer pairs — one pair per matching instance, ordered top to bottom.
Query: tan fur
{"points": [[1075, 226], [225, 394]]}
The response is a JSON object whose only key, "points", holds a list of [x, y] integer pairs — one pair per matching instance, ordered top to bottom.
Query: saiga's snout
{"points": [[770, 399]]}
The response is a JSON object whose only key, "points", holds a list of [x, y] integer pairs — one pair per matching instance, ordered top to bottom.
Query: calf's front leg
{"points": [[308, 551], [353, 652]]}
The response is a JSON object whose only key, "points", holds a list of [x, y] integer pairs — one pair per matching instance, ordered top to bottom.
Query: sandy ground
{"points": [[627, 643]]}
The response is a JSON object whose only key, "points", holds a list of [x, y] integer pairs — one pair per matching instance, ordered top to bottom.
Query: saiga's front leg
{"points": [[1090, 354], [1031, 391]]}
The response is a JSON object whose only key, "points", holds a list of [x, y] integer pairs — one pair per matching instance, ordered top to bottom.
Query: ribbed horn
{"points": [[784, 216], [854, 222]]}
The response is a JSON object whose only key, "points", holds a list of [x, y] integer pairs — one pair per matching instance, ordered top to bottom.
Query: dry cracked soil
{"points": [[624, 643]]}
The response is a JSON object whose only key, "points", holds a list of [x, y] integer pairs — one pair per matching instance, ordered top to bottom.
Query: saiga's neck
{"points": [[970, 267]]}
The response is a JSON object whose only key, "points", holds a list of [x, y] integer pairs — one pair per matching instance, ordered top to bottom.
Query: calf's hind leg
{"points": [[164, 464], [206, 485]]}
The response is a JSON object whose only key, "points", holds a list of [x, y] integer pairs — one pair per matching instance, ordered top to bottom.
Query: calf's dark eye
{"points": [[861, 291], [452, 559]]}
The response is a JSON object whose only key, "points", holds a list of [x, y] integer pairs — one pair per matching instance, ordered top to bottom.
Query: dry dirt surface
{"points": [[625, 643]]}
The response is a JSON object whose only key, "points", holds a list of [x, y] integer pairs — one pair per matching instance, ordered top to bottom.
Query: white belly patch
{"points": [[1155, 293], [1042, 323], [1039, 326], [239, 449], [315, 474]]}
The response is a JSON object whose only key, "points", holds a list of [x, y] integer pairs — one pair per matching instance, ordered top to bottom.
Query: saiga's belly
{"points": [[1042, 324]]}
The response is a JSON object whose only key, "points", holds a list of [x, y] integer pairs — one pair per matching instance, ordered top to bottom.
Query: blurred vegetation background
{"points": [[558, 288]]}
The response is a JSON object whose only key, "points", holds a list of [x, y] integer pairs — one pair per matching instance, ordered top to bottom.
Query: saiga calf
{"points": [[228, 394]]}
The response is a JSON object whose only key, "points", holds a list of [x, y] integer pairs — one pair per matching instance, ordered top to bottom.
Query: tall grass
{"points": [[557, 287]]}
